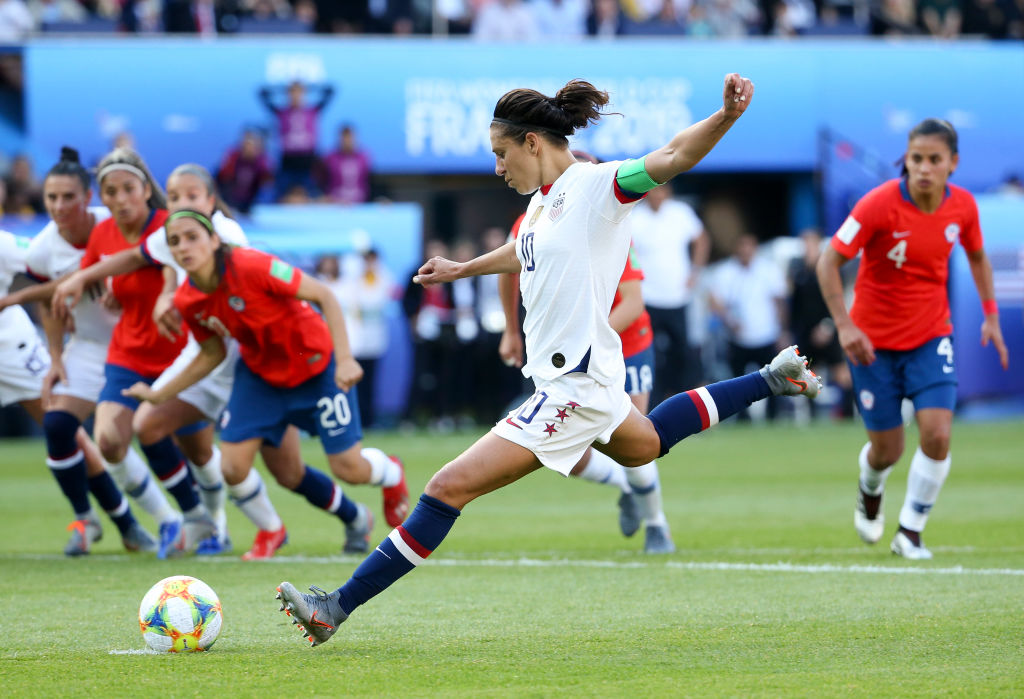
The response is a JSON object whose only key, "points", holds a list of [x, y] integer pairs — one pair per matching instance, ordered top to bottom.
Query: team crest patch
{"points": [[556, 207], [536, 215], [952, 231], [236, 303], [867, 399]]}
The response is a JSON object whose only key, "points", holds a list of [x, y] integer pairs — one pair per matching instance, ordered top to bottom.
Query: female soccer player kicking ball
{"points": [[570, 255], [898, 335]]}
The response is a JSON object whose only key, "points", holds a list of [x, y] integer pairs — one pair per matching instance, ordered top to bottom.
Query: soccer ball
{"points": [[180, 614]]}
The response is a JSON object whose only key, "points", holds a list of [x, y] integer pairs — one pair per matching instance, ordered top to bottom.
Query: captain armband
{"points": [[632, 177]]}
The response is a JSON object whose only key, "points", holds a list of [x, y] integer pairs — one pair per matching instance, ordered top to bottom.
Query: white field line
{"points": [[779, 567], [135, 651]]}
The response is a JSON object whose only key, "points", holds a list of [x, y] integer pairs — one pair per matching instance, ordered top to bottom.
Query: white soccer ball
{"points": [[180, 614]]}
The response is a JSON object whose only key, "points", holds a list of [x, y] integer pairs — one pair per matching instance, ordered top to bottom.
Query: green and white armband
{"points": [[632, 177]]}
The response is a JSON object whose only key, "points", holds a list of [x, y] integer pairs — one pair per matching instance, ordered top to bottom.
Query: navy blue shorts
{"points": [[640, 372], [926, 375], [118, 378], [257, 409]]}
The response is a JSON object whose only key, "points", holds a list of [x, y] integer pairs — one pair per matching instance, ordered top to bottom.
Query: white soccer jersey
{"points": [[155, 246], [573, 250], [13, 252], [50, 256]]}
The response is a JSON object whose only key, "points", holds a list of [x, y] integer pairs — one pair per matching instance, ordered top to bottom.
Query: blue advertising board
{"points": [[423, 106]]}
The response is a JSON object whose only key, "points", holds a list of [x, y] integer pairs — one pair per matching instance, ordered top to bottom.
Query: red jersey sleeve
{"points": [[862, 222], [970, 236], [91, 255], [268, 272]]}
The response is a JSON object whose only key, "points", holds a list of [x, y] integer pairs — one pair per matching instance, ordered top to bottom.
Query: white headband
{"points": [[121, 166]]}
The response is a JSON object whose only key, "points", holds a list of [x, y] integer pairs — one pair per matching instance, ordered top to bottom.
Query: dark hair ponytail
{"points": [[522, 111], [933, 127], [71, 166]]}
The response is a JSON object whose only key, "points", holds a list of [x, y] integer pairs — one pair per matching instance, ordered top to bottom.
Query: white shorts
{"points": [[24, 360], [83, 365], [211, 393], [564, 417]]}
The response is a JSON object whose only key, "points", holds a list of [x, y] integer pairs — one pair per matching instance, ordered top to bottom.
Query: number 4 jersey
{"points": [[900, 299], [281, 338]]}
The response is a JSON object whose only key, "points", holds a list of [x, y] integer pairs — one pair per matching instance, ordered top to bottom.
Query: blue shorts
{"points": [[640, 372], [926, 375], [118, 378], [257, 409]]}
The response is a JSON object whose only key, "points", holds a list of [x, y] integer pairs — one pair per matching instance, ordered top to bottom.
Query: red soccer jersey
{"points": [[900, 294], [638, 336], [280, 338], [135, 344]]}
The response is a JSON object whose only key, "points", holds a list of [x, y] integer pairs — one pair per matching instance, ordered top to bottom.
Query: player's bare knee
{"points": [[935, 444], [111, 446], [350, 468], [448, 487]]}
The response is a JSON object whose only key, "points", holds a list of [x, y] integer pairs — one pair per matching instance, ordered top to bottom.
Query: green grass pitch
{"points": [[536, 594]]}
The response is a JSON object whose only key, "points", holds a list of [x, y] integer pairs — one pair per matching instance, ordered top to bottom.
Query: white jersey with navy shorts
{"points": [[572, 251], [51, 256], [23, 357], [211, 393]]}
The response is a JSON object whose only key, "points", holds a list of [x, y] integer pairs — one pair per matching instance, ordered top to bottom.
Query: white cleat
{"points": [[788, 375], [869, 530], [903, 546]]}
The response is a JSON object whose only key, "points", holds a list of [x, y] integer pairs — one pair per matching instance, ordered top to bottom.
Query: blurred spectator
{"points": [[267, 9], [46, 12], [456, 14], [203, 17], [390, 17], [667, 17], [790, 17], [894, 18], [941, 18], [990, 18], [560, 19], [606, 19], [731, 19], [505, 20], [16, 22], [697, 24], [298, 126], [347, 170], [244, 171], [1012, 186], [24, 192], [298, 194], [672, 249], [328, 271], [374, 290], [749, 296], [431, 314], [811, 324], [467, 334]]}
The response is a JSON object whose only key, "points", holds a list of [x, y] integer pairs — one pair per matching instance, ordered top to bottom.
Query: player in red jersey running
{"points": [[898, 334], [137, 352], [287, 375]]}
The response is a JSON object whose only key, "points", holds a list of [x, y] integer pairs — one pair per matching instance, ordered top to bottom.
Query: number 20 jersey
{"points": [[900, 299]]}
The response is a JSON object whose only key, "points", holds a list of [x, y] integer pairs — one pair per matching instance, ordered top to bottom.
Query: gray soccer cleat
{"points": [[788, 375], [629, 514], [196, 529], [357, 532], [84, 533], [138, 539], [658, 540], [903, 546], [317, 615]]}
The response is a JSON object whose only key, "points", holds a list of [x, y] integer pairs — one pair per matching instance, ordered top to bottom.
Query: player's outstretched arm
{"points": [[689, 146], [438, 270], [981, 270], [69, 292], [28, 294], [856, 344], [211, 353], [347, 371]]}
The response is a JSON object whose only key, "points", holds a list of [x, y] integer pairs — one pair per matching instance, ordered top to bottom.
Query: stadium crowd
{"points": [[521, 20]]}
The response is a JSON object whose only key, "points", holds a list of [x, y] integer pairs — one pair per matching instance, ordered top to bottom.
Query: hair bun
{"points": [[69, 154]]}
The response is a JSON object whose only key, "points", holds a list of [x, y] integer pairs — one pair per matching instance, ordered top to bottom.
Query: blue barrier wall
{"points": [[423, 106]]}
